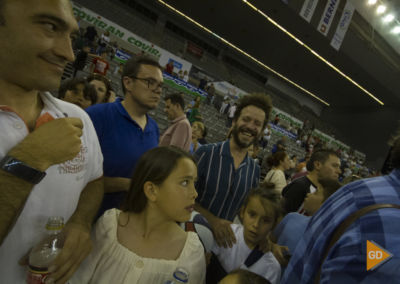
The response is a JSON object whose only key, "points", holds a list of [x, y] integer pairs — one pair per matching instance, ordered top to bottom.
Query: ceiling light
{"points": [[372, 2], [381, 9], [388, 18], [396, 30]]}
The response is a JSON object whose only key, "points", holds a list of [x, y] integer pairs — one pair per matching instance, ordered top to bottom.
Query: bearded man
{"points": [[226, 173]]}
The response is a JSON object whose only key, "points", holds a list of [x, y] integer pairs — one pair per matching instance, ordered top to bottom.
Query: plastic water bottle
{"points": [[45, 251], [180, 276]]}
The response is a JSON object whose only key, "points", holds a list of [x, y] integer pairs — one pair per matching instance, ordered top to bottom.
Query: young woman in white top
{"points": [[279, 163], [143, 243]]}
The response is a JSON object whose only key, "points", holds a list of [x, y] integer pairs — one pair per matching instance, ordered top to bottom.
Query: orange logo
{"points": [[376, 255]]}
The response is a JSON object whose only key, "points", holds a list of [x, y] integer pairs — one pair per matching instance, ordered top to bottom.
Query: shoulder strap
{"points": [[339, 231], [253, 257]]}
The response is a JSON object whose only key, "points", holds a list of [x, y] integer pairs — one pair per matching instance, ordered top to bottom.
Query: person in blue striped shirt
{"points": [[226, 173], [346, 261]]}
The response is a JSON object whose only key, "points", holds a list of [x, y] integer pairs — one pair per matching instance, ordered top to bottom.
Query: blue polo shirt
{"points": [[122, 142], [222, 188]]}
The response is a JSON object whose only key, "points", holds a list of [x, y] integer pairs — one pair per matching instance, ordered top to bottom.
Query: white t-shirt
{"points": [[231, 111], [267, 134], [56, 195], [233, 258]]}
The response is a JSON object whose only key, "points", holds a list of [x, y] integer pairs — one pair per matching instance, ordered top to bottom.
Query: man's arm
{"points": [[52, 143], [116, 184], [13, 194], [222, 230], [78, 243]]}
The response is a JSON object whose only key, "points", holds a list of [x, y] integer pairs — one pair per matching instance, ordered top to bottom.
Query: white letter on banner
{"points": [[307, 11], [327, 16], [343, 25]]}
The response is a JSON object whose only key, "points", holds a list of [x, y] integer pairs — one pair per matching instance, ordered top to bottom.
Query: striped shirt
{"points": [[222, 188], [346, 261]]}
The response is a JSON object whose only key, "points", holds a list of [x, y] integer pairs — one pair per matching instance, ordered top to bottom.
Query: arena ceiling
{"points": [[365, 57], [358, 58]]}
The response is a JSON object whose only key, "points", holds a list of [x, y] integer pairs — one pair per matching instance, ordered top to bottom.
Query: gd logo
{"points": [[376, 255]]}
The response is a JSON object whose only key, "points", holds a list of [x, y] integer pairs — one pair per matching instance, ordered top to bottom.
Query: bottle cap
{"points": [[55, 223]]}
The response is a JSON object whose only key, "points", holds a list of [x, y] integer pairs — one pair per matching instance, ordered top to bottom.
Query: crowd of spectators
{"points": [[101, 163]]}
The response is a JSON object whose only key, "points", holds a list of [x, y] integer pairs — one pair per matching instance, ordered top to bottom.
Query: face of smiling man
{"points": [[36, 42], [247, 128]]}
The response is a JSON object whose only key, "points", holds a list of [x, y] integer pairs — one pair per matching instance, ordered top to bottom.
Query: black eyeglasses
{"points": [[151, 83]]}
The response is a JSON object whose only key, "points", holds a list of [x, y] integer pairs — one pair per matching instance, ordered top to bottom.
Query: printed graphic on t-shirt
{"points": [[75, 165]]}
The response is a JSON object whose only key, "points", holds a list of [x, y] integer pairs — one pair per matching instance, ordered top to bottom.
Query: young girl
{"points": [[259, 215], [143, 243]]}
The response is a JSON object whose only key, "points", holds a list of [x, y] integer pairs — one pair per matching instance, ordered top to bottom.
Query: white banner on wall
{"points": [[308, 9], [327, 16], [343, 25], [136, 41], [226, 88]]}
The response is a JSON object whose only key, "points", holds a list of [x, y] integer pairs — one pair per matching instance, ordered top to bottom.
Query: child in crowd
{"points": [[77, 91], [197, 133], [259, 215], [143, 243]]}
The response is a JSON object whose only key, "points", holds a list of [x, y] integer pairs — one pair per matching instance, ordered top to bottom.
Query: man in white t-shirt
{"points": [[50, 158]]}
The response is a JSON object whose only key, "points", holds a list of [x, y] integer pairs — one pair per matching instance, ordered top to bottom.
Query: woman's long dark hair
{"points": [[155, 165]]}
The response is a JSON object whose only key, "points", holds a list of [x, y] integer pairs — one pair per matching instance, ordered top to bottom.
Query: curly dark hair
{"points": [[260, 100]]}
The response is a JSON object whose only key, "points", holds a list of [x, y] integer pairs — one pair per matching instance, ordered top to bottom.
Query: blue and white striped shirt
{"points": [[221, 188], [346, 261]]}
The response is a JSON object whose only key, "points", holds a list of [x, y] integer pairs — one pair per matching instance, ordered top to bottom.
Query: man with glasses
{"points": [[124, 128]]}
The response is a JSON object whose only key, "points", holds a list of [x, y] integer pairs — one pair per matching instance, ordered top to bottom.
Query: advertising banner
{"points": [[308, 9], [327, 16], [343, 25], [136, 41], [121, 56], [183, 86], [226, 88], [287, 117], [283, 131], [329, 140]]}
